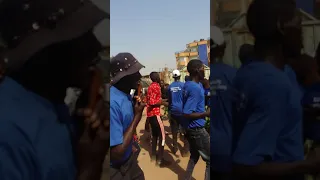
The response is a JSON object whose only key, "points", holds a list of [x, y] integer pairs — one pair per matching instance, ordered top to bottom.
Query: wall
{"points": [[234, 39]]}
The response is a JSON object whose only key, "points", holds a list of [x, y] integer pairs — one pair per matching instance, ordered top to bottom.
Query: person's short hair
{"points": [[263, 17], [194, 66], [154, 76]]}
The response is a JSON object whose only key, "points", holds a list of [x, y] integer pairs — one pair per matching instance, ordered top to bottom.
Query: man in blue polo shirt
{"points": [[221, 77], [175, 106], [267, 113], [124, 117], [194, 118]]}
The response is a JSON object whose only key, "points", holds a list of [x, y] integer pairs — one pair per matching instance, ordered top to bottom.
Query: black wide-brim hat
{"points": [[27, 27], [123, 64]]}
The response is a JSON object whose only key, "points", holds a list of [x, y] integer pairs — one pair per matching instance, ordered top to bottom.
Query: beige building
{"points": [[191, 52]]}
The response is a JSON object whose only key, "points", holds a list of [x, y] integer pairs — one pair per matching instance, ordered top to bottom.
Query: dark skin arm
{"points": [[162, 102], [197, 115], [118, 151], [273, 170]]}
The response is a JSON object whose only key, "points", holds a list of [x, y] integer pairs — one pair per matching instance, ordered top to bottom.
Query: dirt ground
{"points": [[178, 165], [176, 170]]}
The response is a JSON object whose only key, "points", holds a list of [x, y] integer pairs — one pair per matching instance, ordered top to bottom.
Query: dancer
{"points": [[221, 77], [175, 99], [154, 101], [124, 117], [194, 118], [267, 122]]}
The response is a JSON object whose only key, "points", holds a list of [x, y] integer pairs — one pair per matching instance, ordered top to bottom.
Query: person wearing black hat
{"points": [[47, 49], [267, 112], [124, 117]]}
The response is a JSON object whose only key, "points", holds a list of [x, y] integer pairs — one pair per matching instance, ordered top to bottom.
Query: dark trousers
{"points": [[147, 125], [174, 125], [156, 139], [199, 142], [129, 170], [219, 175]]}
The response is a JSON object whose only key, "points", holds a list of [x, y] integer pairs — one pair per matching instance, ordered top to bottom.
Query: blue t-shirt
{"points": [[221, 77], [293, 78], [175, 98], [312, 98], [193, 102], [121, 116], [267, 116], [35, 140]]}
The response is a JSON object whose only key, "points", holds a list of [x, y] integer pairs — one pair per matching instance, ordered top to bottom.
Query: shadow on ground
{"points": [[168, 155]]}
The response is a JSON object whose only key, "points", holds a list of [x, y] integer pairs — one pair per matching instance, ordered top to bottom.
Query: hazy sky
{"points": [[153, 30]]}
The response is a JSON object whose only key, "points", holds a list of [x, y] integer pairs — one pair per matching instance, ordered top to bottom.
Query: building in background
{"points": [[194, 50], [165, 75]]}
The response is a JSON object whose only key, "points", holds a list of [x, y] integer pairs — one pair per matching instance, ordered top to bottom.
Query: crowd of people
{"points": [[187, 113], [265, 113], [264, 116]]}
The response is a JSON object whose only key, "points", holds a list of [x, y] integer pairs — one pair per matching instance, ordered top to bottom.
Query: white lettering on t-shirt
{"points": [[216, 85], [175, 89]]}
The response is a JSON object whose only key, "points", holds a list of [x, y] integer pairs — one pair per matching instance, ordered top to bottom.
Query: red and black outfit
{"points": [[153, 114]]}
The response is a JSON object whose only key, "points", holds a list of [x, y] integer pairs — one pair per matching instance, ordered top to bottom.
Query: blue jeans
{"points": [[199, 142]]}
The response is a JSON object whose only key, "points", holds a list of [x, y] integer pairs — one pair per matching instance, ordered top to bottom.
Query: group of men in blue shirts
{"points": [[263, 111]]}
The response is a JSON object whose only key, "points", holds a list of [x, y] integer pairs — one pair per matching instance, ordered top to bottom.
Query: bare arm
{"points": [[197, 115], [118, 151]]}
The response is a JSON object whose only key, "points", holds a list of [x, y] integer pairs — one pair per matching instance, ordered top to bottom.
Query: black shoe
{"points": [[163, 163]]}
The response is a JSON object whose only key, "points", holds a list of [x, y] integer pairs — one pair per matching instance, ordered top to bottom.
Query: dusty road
{"points": [[176, 170]]}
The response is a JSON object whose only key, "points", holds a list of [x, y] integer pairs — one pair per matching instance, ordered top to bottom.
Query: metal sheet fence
{"points": [[235, 37]]}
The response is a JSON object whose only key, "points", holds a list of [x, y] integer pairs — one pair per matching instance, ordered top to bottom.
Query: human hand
{"points": [[139, 106], [207, 113], [94, 142]]}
